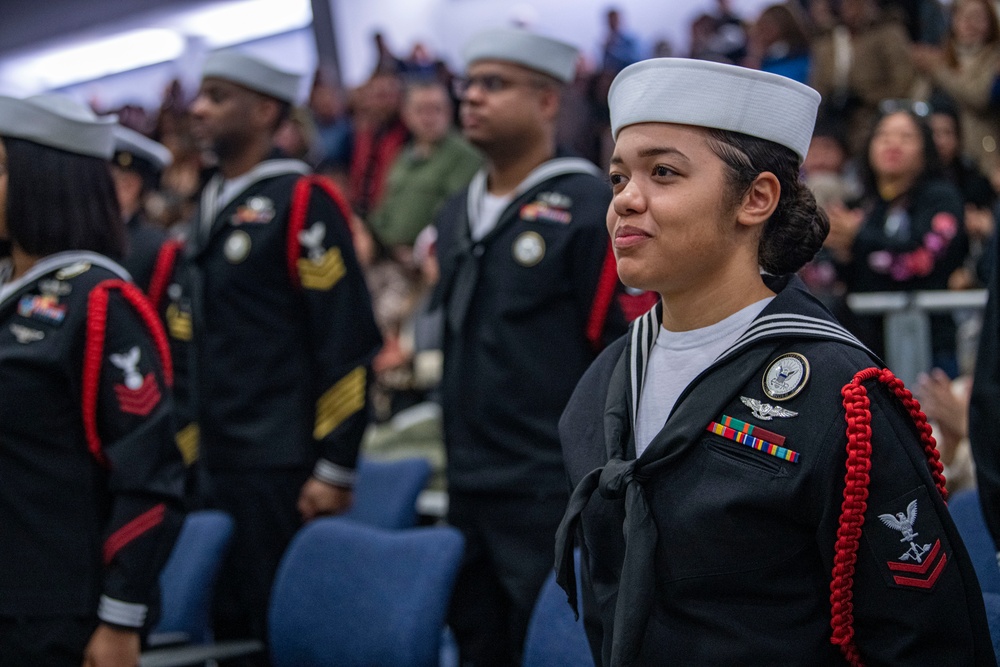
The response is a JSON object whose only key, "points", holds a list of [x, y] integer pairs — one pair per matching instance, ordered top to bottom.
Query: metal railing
{"points": [[907, 328]]}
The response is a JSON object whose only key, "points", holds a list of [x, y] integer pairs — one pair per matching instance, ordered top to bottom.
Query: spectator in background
{"points": [[730, 39], [777, 43], [621, 48], [864, 59], [386, 61], [965, 69], [333, 125], [379, 136], [298, 138], [435, 164], [135, 168], [832, 177], [977, 194], [907, 234], [946, 404]]}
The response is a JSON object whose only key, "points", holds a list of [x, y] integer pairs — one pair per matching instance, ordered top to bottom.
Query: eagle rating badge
{"points": [[138, 395], [917, 557]]}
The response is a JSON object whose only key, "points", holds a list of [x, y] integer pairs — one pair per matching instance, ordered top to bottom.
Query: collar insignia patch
{"points": [[237, 247], [529, 248], [72, 271], [785, 377]]}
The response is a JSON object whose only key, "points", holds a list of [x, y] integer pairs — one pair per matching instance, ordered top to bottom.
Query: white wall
{"points": [[445, 25]]}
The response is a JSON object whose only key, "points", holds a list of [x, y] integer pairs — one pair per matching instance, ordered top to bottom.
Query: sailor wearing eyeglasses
{"points": [[528, 286]]}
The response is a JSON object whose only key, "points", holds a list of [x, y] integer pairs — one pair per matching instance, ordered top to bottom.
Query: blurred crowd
{"points": [[904, 159]]}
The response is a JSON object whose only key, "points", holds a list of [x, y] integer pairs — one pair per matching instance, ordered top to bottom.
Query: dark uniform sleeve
{"points": [[342, 336], [983, 432], [135, 442], [915, 595]]}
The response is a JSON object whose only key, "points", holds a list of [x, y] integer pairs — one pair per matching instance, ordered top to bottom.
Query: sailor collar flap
{"points": [[213, 202], [54, 262], [791, 314]]}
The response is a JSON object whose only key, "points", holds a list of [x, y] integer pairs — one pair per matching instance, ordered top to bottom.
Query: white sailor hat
{"points": [[522, 47], [253, 73], [708, 94], [59, 122], [133, 149]]}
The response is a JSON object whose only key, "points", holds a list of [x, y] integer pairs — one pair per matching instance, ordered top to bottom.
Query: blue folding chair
{"points": [[385, 492], [968, 516], [187, 581], [555, 638]]}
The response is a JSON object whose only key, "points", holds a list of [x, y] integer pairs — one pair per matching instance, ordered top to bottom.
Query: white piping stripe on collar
{"points": [[550, 169], [211, 203], [60, 260], [804, 320], [645, 330], [644, 333]]}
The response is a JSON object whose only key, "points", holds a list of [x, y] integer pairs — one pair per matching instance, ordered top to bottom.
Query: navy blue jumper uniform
{"points": [[527, 309], [281, 335], [91, 482], [765, 529]]}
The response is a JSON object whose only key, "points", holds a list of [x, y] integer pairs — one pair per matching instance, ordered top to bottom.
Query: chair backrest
{"points": [[385, 492], [968, 516], [187, 581], [349, 594], [555, 638]]}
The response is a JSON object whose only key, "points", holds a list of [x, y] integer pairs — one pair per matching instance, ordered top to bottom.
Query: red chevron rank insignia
{"points": [[139, 401], [915, 555]]}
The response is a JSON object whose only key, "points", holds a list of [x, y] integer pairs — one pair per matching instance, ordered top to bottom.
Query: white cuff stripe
{"points": [[331, 473], [127, 614]]}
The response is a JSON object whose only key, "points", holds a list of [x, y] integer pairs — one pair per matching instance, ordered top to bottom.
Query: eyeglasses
{"points": [[490, 83], [916, 107]]}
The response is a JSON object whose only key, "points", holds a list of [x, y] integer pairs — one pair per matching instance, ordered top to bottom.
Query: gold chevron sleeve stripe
{"points": [[324, 273], [178, 323], [340, 402], [187, 441]]}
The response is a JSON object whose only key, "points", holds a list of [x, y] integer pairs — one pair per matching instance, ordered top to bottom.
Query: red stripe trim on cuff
{"points": [[603, 297], [133, 529]]}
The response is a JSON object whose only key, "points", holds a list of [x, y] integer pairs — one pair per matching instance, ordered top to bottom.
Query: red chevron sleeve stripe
{"points": [[133, 529]]}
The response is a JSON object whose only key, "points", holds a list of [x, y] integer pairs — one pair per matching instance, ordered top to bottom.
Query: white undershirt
{"points": [[491, 207], [676, 359]]}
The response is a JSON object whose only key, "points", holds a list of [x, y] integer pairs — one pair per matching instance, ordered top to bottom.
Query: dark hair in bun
{"points": [[796, 230]]}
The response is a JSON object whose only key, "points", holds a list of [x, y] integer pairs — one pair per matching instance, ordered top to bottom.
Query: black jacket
{"points": [[527, 310], [281, 324], [90, 479], [732, 549]]}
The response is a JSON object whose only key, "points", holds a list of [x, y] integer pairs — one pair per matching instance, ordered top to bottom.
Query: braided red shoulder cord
{"points": [[298, 211], [162, 270], [93, 351], [852, 516]]}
